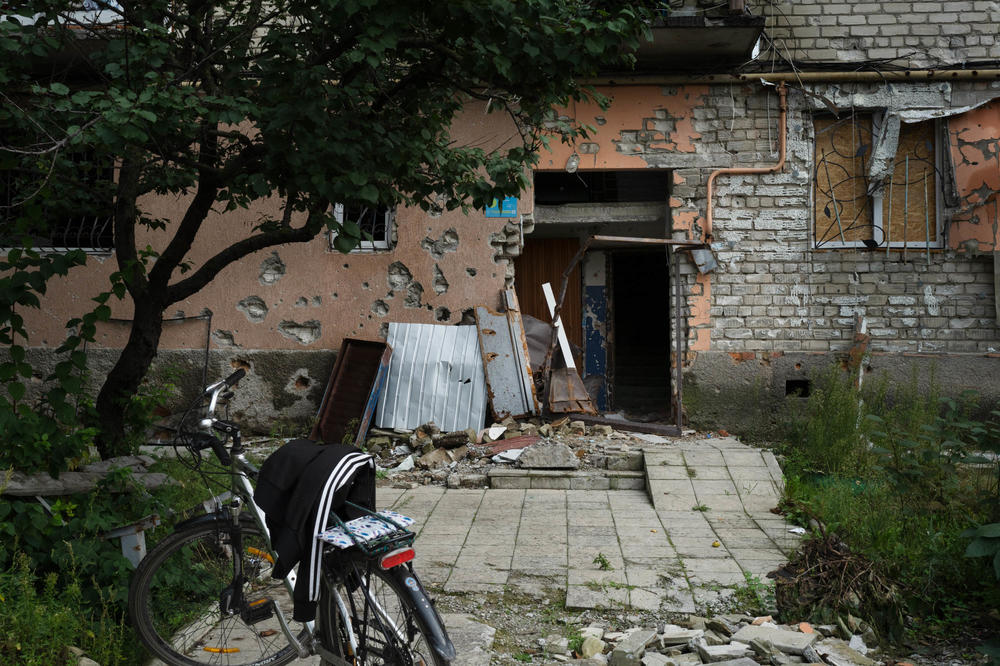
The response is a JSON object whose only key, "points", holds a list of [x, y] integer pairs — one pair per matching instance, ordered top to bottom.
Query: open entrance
{"points": [[640, 320]]}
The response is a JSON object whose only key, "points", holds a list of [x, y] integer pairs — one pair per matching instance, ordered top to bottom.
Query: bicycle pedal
{"points": [[257, 610]]}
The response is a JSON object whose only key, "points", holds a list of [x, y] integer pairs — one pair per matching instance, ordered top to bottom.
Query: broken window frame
{"points": [[876, 201], [381, 235]]}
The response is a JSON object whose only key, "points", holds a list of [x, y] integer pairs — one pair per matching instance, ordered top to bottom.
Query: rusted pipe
{"points": [[799, 77], [739, 171]]}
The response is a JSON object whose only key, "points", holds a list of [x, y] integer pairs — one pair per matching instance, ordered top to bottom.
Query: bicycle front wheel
{"points": [[205, 595], [383, 621]]}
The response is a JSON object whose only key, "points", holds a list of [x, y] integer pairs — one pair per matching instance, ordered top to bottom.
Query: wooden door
{"points": [[544, 260]]}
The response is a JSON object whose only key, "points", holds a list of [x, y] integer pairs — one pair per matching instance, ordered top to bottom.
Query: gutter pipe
{"points": [[802, 77], [782, 137]]}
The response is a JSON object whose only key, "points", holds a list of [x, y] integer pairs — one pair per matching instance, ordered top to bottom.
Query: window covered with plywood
{"points": [[860, 204]]}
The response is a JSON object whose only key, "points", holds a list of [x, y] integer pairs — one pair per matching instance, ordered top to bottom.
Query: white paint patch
{"points": [[931, 301]]}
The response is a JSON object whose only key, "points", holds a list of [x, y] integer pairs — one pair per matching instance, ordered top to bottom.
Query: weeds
{"points": [[895, 478], [602, 562]]}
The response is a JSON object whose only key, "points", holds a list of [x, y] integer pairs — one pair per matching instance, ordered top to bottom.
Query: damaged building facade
{"points": [[786, 181]]}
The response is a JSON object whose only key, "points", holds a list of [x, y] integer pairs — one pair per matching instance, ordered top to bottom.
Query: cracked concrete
{"points": [[700, 529]]}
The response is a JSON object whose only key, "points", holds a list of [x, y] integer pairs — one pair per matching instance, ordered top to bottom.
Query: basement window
{"points": [[858, 204], [376, 225]]}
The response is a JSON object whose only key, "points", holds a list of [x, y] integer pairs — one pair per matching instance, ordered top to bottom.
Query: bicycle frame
{"points": [[241, 473]]}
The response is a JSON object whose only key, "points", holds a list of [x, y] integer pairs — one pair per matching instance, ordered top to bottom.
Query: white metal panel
{"points": [[435, 374]]}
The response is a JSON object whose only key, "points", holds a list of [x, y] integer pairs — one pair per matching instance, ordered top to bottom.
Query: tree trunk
{"points": [[126, 376]]}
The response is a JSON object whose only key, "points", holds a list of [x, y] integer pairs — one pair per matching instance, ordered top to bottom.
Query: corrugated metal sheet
{"points": [[435, 374], [509, 385]]}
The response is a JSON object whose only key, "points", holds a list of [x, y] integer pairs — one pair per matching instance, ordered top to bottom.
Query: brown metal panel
{"points": [[544, 260], [355, 384]]}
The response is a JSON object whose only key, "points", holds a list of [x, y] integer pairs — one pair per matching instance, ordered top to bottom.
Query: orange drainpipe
{"points": [[783, 106]]}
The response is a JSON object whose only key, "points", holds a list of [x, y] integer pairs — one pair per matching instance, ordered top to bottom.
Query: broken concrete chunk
{"points": [[452, 440], [548, 455], [509, 456], [434, 459], [405, 466], [674, 635], [715, 638], [791, 642], [555, 645], [592, 645], [629, 652], [838, 653], [713, 654], [656, 659], [741, 661]]}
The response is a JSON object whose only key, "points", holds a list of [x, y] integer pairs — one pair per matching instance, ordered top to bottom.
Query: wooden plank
{"points": [[909, 212], [635, 240], [550, 301], [631, 426]]}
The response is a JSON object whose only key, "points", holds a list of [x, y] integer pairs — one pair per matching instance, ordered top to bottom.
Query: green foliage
{"points": [[296, 104], [42, 431], [831, 438], [903, 483], [985, 543], [602, 562], [62, 584], [754, 596], [43, 616]]}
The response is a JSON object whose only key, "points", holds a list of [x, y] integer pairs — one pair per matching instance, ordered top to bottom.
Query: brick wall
{"points": [[909, 34], [774, 292]]}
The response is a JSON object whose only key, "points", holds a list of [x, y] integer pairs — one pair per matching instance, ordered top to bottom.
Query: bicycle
{"points": [[204, 594]]}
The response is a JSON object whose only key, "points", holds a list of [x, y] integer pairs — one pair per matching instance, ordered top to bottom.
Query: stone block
{"points": [[548, 455], [509, 482], [550, 482], [590, 482], [791, 642], [630, 651]]}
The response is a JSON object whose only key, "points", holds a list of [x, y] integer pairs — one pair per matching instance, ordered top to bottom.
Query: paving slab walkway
{"points": [[703, 524]]}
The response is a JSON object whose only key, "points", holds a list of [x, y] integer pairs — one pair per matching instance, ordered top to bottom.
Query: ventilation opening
{"points": [[553, 188], [798, 387]]}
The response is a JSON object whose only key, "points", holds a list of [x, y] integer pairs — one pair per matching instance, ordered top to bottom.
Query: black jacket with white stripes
{"points": [[299, 485]]}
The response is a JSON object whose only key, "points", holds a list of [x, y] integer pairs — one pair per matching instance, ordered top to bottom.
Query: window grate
{"points": [[82, 220], [375, 223]]}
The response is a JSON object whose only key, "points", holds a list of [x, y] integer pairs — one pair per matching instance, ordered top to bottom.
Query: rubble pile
{"points": [[462, 459], [724, 640]]}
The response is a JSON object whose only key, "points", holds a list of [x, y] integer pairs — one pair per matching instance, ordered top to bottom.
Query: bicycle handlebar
{"points": [[235, 377]]}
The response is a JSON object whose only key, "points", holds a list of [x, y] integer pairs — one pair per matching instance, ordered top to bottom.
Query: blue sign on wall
{"points": [[506, 208]]}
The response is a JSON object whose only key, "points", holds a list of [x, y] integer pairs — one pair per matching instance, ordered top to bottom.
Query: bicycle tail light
{"points": [[397, 557]]}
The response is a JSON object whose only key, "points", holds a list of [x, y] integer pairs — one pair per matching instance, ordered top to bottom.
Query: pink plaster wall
{"points": [[974, 142], [338, 290]]}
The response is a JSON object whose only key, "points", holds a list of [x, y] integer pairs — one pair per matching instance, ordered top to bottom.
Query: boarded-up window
{"points": [[840, 183], [848, 211]]}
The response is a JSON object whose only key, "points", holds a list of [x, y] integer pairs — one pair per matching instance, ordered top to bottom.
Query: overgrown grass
{"points": [[894, 472], [63, 586]]}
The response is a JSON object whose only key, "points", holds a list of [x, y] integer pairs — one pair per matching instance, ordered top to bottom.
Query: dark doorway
{"points": [[640, 301]]}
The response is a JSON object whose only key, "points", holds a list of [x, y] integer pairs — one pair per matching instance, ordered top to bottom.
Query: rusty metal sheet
{"points": [[436, 374], [509, 383], [353, 390]]}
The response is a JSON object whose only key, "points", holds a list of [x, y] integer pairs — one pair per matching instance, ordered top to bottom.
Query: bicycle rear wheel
{"points": [[205, 595], [387, 629]]}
